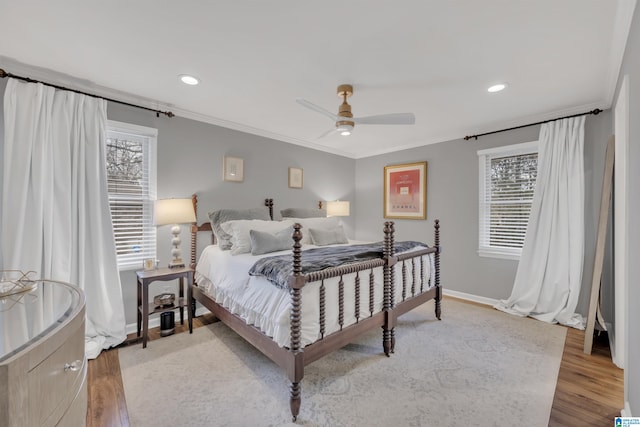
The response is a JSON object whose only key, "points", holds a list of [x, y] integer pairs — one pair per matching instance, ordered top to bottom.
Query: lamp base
{"points": [[176, 263]]}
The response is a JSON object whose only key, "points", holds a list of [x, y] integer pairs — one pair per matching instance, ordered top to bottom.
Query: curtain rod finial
{"points": [[3, 73]]}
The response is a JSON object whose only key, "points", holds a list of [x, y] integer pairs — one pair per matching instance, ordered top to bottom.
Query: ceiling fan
{"points": [[344, 120]]}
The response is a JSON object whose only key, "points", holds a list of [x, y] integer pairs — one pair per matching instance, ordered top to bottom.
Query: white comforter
{"points": [[262, 304]]}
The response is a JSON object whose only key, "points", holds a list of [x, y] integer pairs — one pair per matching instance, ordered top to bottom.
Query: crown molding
{"points": [[49, 76], [258, 132]]}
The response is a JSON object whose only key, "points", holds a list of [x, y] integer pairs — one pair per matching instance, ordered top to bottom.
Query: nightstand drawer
{"points": [[51, 385]]}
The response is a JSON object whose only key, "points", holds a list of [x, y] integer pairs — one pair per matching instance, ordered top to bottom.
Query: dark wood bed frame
{"points": [[295, 358]]}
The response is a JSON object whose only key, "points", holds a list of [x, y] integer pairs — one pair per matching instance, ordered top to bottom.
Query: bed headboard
{"points": [[206, 226]]}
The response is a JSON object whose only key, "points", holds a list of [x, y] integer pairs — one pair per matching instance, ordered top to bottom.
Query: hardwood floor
{"points": [[590, 388], [589, 391]]}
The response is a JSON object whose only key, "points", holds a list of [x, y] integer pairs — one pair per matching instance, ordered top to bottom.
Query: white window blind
{"points": [[131, 181], [507, 181]]}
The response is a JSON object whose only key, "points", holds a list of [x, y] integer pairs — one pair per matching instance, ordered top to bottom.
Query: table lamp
{"points": [[338, 208], [176, 212]]}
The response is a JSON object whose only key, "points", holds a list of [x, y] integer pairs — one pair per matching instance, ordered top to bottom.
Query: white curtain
{"points": [[55, 209], [549, 276]]}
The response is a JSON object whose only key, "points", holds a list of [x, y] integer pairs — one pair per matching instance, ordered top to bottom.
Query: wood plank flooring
{"points": [[589, 390]]}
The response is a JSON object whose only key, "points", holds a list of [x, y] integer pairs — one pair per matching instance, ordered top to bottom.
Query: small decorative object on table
{"points": [[149, 264], [14, 282], [164, 300]]}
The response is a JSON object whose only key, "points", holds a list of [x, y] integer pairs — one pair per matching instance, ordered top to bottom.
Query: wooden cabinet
{"points": [[43, 367]]}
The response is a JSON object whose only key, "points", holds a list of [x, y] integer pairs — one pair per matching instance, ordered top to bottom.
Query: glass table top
{"points": [[32, 308]]}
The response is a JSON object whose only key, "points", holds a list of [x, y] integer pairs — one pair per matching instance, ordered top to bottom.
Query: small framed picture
{"points": [[233, 169], [295, 177], [149, 264]]}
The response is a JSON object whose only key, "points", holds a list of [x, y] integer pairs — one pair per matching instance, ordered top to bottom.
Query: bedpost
{"points": [[269, 203], [194, 231], [436, 242], [296, 282], [388, 333]]}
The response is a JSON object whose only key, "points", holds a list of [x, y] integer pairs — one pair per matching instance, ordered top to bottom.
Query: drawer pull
{"points": [[73, 366]]}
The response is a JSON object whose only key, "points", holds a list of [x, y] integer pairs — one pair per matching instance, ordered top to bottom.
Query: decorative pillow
{"points": [[303, 213], [218, 218], [317, 223], [239, 232], [328, 237], [263, 242]]}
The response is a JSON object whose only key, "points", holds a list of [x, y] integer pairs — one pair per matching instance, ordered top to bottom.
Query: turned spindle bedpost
{"points": [[269, 203], [194, 231], [436, 242], [296, 282], [388, 335]]}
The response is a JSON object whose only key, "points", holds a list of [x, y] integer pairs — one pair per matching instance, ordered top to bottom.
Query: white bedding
{"points": [[264, 305]]}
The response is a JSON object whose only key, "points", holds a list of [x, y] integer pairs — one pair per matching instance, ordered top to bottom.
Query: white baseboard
{"points": [[469, 297], [154, 321], [626, 411]]}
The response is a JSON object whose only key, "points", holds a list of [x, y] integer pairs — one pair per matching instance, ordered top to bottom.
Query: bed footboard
{"points": [[416, 290]]}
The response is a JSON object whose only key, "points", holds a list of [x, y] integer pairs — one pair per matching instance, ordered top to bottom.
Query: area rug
{"points": [[475, 367]]}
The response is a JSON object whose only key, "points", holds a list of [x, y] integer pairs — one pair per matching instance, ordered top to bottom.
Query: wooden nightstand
{"points": [[145, 309]]}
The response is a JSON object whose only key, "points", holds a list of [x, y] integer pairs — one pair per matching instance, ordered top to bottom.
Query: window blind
{"points": [[508, 180], [131, 182]]}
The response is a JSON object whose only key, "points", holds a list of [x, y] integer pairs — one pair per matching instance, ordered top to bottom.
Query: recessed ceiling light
{"points": [[189, 80], [497, 88]]}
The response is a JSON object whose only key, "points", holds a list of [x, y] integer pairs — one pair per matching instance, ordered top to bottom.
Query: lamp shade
{"points": [[338, 208], [174, 211]]}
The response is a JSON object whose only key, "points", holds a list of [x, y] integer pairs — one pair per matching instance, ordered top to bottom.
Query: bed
{"points": [[296, 315]]}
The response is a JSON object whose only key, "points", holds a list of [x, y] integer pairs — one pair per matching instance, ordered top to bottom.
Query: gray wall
{"points": [[631, 67], [190, 157], [452, 196]]}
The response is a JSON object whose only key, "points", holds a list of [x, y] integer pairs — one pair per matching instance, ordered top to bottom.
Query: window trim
{"points": [[152, 135], [484, 250]]}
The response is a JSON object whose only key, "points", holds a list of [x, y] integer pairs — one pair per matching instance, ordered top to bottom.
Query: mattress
{"points": [[260, 303]]}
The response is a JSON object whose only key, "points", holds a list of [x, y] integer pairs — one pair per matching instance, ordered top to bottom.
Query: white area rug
{"points": [[476, 367]]}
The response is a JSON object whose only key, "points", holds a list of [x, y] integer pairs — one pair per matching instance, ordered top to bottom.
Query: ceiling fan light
{"points": [[344, 129]]}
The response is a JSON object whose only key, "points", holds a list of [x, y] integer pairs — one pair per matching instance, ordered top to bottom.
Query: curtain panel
{"points": [[55, 209], [549, 275]]}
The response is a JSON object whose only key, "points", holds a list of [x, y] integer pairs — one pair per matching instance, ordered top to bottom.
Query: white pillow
{"points": [[328, 223], [239, 231]]}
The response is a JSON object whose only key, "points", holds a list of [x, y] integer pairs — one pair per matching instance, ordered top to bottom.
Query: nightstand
{"points": [[145, 308]]}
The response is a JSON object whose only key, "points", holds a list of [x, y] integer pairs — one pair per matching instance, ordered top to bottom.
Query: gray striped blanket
{"points": [[278, 269]]}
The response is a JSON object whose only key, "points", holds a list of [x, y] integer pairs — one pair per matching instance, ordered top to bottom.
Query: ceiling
{"points": [[254, 58]]}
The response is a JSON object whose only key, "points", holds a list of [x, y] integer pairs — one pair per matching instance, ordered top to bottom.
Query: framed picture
{"points": [[233, 169], [295, 177], [405, 191], [149, 264]]}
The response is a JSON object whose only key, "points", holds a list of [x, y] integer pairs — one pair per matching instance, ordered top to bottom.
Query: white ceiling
{"points": [[434, 58]]}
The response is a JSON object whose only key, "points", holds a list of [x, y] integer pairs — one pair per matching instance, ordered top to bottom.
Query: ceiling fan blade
{"points": [[314, 107], [387, 119], [327, 133]]}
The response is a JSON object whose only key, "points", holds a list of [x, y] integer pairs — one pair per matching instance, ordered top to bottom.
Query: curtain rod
{"points": [[4, 74], [594, 112]]}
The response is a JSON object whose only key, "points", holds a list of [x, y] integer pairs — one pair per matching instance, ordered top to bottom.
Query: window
{"points": [[507, 180], [131, 181]]}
